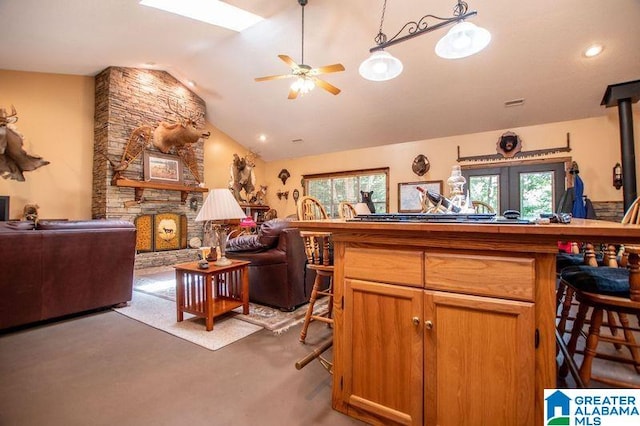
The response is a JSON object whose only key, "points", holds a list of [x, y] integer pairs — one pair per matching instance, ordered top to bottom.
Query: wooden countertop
{"points": [[578, 229]]}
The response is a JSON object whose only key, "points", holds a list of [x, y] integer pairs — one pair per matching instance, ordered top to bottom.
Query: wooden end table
{"points": [[211, 292]]}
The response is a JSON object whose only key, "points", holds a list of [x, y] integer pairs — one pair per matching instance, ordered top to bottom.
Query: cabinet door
{"points": [[383, 343], [479, 363]]}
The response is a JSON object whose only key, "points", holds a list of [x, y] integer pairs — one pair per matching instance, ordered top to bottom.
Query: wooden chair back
{"points": [[482, 207], [309, 208], [346, 210], [632, 215]]}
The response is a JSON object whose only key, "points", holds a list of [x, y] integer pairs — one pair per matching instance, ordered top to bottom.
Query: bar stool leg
{"points": [[312, 301], [566, 307], [578, 323], [631, 340], [592, 343]]}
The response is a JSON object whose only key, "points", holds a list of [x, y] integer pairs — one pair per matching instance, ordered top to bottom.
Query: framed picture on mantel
{"points": [[159, 167], [409, 196]]}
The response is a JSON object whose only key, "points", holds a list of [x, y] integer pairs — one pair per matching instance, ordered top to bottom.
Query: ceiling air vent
{"points": [[515, 102], [297, 141]]}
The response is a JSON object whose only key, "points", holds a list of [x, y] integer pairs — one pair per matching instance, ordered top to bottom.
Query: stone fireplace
{"points": [[126, 98]]}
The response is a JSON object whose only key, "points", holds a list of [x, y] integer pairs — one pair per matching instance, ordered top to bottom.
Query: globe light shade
{"points": [[464, 39], [380, 66], [303, 85]]}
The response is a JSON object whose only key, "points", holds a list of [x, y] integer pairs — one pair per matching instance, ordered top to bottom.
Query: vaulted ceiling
{"points": [[536, 54]]}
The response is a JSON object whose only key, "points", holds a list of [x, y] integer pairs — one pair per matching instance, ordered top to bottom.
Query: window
{"points": [[332, 188], [531, 188]]}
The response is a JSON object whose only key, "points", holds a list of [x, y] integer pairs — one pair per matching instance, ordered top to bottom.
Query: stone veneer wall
{"points": [[127, 98], [612, 211]]}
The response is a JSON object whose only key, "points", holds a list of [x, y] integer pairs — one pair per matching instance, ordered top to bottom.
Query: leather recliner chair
{"points": [[277, 273]]}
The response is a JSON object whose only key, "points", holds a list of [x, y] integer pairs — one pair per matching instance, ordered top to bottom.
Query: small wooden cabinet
{"points": [[414, 356]]}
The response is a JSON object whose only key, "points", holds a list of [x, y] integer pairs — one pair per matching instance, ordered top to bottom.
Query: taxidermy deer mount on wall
{"points": [[166, 136], [13, 159], [243, 177]]}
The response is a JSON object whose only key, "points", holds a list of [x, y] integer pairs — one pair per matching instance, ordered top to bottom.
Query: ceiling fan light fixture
{"points": [[464, 39], [380, 66], [303, 85]]}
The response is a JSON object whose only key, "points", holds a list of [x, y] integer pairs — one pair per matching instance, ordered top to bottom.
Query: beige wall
{"points": [[56, 117], [595, 144]]}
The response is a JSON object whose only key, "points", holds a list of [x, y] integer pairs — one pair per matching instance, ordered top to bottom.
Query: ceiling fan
{"points": [[306, 77]]}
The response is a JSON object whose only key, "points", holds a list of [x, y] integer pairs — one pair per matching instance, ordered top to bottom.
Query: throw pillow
{"points": [[245, 243]]}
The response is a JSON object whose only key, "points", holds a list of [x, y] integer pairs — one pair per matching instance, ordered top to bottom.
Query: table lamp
{"points": [[219, 207]]}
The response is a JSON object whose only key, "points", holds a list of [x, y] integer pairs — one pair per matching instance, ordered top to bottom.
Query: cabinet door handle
{"points": [[415, 320], [429, 325]]}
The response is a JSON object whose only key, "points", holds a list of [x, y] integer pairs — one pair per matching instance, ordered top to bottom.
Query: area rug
{"points": [[161, 283], [161, 314]]}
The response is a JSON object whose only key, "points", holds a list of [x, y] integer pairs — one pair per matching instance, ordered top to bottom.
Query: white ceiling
{"points": [[535, 54]]}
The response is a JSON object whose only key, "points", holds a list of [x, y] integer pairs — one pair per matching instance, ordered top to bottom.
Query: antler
{"points": [[176, 109], [193, 116], [5, 119], [250, 156]]}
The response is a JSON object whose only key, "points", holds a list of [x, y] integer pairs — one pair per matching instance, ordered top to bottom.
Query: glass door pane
{"points": [[485, 188], [536, 193]]}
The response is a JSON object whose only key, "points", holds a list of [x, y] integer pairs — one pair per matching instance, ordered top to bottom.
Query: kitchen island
{"points": [[448, 323]]}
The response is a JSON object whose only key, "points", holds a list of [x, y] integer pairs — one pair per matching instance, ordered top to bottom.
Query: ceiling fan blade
{"points": [[289, 61], [327, 69], [273, 77], [326, 86], [292, 94]]}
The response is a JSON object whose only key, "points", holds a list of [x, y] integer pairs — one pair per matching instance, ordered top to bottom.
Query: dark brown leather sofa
{"points": [[63, 267], [277, 274]]}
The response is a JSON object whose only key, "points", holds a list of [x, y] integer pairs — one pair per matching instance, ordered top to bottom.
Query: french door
{"points": [[530, 188]]}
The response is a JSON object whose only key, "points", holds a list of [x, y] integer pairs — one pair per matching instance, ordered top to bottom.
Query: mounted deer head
{"points": [[167, 136]]}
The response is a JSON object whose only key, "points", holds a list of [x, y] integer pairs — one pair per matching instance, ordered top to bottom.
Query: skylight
{"points": [[213, 12]]}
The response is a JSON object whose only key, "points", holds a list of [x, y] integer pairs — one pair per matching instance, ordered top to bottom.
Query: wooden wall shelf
{"points": [[140, 186]]}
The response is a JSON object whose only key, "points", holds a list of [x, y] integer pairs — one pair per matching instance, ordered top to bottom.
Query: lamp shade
{"points": [[464, 39], [380, 66], [220, 205], [362, 208]]}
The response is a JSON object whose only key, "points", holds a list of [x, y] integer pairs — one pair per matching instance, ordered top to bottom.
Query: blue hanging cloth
{"points": [[578, 210]]}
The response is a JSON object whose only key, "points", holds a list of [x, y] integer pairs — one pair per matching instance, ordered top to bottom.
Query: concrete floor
{"points": [[107, 369]]}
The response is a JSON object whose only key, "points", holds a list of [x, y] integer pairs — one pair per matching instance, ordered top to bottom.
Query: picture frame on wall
{"points": [[159, 167], [409, 196]]}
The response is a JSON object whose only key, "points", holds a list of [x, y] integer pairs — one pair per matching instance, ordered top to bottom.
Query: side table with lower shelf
{"points": [[211, 292]]}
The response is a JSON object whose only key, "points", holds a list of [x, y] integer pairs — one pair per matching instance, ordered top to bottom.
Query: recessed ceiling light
{"points": [[212, 12], [593, 50], [191, 83], [262, 138]]}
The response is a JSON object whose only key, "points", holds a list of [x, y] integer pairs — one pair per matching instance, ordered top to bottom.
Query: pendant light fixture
{"points": [[464, 39], [381, 65]]}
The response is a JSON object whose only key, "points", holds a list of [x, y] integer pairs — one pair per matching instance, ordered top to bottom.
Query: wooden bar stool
{"points": [[316, 246], [319, 259], [605, 289]]}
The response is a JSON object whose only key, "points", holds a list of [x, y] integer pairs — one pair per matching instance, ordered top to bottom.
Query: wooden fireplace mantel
{"points": [[140, 186]]}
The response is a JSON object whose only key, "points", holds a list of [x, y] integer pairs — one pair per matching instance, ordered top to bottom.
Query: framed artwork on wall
{"points": [[159, 167], [409, 196]]}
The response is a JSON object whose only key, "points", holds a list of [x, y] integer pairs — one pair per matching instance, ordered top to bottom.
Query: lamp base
{"points": [[223, 261]]}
